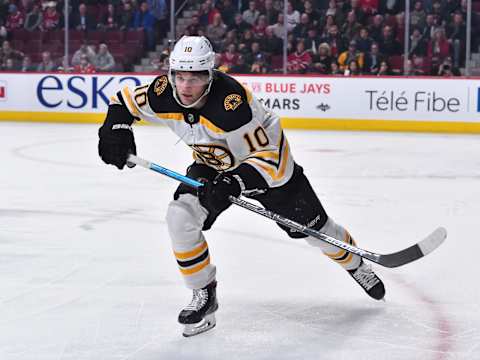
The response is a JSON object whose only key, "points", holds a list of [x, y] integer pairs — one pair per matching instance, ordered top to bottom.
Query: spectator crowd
{"points": [[31, 34], [339, 37], [347, 37]]}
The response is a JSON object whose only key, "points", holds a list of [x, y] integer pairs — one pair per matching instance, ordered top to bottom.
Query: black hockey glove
{"points": [[116, 143], [214, 194]]}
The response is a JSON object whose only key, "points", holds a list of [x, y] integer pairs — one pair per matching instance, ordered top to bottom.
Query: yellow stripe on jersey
{"points": [[128, 98], [114, 100], [170, 116], [210, 126], [269, 155], [272, 155], [272, 169], [275, 175], [192, 253], [196, 268]]}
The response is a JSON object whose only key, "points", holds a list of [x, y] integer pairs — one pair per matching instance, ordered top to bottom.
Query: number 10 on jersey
{"points": [[260, 139]]}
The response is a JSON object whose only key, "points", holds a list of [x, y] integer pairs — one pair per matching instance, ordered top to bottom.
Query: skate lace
{"points": [[366, 277], [199, 299]]}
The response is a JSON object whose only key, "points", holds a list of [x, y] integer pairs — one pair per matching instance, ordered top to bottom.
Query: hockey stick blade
{"points": [[414, 252], [402, 257]]}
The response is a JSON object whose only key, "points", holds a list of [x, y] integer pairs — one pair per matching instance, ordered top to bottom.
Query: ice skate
{"points": [[368, 280], [199, 315]]}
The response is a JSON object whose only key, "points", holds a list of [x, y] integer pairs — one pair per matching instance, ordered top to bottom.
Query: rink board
{"points": [[325, 103]]}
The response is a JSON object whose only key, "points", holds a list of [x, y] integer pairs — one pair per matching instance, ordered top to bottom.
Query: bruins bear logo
{"points": [[160, 85], [232, 102], [214, 155]]}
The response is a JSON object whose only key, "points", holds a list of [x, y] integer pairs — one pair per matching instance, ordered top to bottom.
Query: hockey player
{"points": [[239, 149]]}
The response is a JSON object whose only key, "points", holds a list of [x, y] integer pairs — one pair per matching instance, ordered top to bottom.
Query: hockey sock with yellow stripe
{"points": [[342, 257], [194, 265]]}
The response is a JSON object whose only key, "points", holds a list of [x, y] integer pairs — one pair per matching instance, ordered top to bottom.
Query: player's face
{"points": [[190, 86]]}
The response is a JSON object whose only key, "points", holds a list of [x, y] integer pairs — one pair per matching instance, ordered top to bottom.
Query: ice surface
{"points": [[86, 269]]}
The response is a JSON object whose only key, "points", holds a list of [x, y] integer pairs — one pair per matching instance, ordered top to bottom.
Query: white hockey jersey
{"points": [[231, 132]]}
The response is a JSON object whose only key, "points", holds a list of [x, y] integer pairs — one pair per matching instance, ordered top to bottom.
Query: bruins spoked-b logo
{"points": [[160, 85], [232, 102], [213, 155]]}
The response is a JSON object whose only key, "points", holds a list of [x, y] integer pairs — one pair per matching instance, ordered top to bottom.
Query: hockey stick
{"points": [[402, 257]]}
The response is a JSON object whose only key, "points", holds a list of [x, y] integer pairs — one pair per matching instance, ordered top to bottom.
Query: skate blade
{"points": [[206, 324]]}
